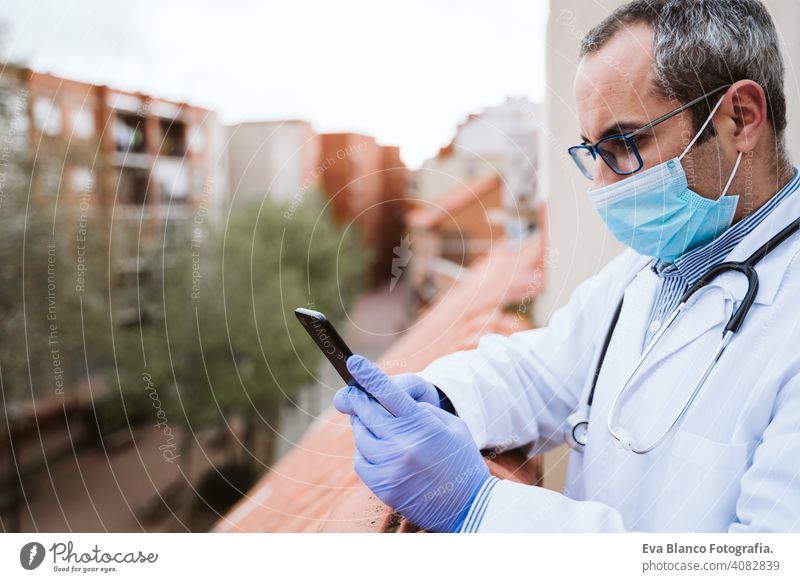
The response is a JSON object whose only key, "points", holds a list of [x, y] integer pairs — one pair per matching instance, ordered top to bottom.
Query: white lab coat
{"points": [[732, 463]]}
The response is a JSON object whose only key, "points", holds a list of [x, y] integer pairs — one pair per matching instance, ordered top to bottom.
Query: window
{"points": [[47, 116], [13, 118], [82, 121], [129, 133], [173, 137], [197, 139], [49, 177], [172, 178], [81, 179], [132, 186], [176, 233]]}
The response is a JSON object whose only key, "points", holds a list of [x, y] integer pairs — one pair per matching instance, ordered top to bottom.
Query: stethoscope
{"points": [[578, 422]]}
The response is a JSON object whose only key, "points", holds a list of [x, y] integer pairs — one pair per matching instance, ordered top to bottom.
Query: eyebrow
{"points": [[616, 129]]}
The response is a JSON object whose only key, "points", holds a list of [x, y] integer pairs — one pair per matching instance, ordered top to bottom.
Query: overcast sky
{"points": [[406, 72]]}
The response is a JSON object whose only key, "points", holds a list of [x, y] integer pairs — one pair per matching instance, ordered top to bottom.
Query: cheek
{"points": [[667, 141], [655, 151], [705, 170], [605, 177]]}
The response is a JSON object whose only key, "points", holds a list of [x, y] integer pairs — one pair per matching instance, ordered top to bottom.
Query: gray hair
{"points": [[700, 45]]}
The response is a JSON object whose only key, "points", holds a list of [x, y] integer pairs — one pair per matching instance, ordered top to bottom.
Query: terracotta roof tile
{"points": [[432, 216]]}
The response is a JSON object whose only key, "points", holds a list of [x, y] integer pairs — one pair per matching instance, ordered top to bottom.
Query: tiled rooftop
{"points": [[434, 215]]}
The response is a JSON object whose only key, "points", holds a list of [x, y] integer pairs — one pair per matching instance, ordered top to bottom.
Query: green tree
{"points": [[53, 284], [225, 343]]}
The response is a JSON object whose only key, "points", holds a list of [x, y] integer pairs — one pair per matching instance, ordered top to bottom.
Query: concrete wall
{"points": [[787, 16], [271, 158], [578, 243]]}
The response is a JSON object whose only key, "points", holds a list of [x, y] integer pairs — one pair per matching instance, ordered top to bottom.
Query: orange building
{"points": [[150, 166], [366, 184]]}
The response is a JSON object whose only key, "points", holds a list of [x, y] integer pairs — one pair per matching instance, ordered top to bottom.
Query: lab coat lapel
{"points": [[772, 269], [639, 288], [713, 305], [709, 308], [630, 332]]}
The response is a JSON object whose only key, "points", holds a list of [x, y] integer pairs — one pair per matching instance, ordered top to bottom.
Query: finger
{"points": [[373, 379], [354, 383], [416, 387], [342, 401], [353, 401], [372, 414], [442, 415], [431, 421], [441, 421], [370, 446], [362, 466], [372, 475]]}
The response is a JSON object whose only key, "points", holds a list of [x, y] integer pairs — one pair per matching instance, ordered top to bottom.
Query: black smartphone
{"points": [[330, 342]]}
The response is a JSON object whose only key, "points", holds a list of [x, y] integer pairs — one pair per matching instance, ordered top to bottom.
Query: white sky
{"points": [[406, 72]]}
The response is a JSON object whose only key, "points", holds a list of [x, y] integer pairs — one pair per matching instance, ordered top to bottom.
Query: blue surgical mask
{"points": [[656, 213]]}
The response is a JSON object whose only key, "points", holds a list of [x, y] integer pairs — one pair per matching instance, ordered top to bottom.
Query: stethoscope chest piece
{"points": [[577, 429]]}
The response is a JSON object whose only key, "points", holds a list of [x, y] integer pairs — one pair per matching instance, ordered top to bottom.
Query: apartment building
{"points": [[151, 166], [366, 183]]}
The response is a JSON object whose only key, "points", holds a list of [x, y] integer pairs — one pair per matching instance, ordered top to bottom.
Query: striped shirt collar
{"points": [[690, 266]]}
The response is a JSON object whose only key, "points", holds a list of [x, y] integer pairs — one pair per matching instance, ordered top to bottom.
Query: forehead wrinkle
{"points": [[601, 97]]}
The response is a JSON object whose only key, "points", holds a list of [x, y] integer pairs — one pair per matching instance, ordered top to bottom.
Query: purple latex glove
{"points": [[417, 458]]}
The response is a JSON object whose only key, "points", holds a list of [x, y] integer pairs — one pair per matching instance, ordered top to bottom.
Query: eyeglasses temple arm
{"points": [[680, 109]]}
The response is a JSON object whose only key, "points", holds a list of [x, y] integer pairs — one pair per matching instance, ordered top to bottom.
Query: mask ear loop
{"points": [[702, 129], [697, 136], [730, 180]]}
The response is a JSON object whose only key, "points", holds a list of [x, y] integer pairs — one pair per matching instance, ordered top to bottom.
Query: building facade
{"points": [[275, 159], [147, 166], [366, 183]]}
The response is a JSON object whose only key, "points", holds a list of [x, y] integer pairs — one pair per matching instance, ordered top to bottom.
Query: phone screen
{"points": [[327, 339], [331, 343]]}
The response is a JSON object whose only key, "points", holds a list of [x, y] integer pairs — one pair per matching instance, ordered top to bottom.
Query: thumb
{"points": [[374, 381], [419, 389], [444, 417]]}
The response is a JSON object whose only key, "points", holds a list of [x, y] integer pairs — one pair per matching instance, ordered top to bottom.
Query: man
{"points": [[682, 113]]}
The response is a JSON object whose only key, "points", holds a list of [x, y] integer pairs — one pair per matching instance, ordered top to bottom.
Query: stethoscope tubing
{"points": [[747, 268]]}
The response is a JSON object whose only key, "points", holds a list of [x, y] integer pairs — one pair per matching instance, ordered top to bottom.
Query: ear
{"points": [[746, 108]]}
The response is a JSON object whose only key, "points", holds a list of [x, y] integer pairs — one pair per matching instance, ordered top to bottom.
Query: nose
{"points": [[603, 175]]}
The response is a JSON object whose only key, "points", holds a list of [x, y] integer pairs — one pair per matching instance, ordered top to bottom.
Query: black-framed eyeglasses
{"points": [[619, 151]]}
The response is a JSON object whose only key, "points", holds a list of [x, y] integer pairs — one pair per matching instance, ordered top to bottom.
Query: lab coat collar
{"points": [[693, 264], [773, 267], [712, 306]]}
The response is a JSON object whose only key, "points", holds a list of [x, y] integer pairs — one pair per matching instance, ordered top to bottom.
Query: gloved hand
{"points": [[418, 388], [417, 458]]}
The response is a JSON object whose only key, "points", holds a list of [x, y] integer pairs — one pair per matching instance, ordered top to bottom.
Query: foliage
{"points": [[53, 289], [224, 342]]}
